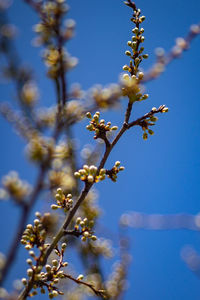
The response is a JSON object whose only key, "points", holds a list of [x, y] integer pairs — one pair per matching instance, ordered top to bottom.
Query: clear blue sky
{"points": [[162, 173]]}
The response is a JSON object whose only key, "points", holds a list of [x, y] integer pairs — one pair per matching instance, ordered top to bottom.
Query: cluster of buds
{"points": [[46, 29], [136, 52], [54, 59], [131, 87], [105, 97], [151, 120], [99, 126], [39, 148], [90, 174], [112, 174], [62, 178], [16, 188], [63, 202], [83, 227], [34, 235], [103, 247], [48, 279]]}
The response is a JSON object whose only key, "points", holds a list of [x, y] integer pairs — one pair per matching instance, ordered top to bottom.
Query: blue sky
{"points": [[162, 173]]}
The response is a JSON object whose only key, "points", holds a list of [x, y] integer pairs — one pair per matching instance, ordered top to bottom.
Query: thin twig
{"points": [[99, 293]]}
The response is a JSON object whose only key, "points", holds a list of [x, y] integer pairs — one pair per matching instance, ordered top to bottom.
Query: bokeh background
{"points": [[162, 173]]}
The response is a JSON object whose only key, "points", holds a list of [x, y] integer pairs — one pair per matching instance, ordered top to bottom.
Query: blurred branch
{"points": [[163, 60], [140, 220]]}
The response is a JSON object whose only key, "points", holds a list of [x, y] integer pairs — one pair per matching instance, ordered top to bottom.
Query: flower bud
{"points": [[128, 53], [125, 67], [88, 115], [90, 178], [54, 206], [29, 272], [80, 277]]}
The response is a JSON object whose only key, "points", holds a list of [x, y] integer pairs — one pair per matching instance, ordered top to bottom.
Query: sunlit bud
{"points": [[142, 18], [135, 30], [141, 30], [134, 38], [129, 43], [134, 45], [128, 53], [145, 56], [125, 67], [140, 75], [125, 76], [145, 96], [154, 109], [165, 109], [88, 115], [96, 117], [89, 127], [114, 128], [117, 163], [85, 167], [121, 168], [93, 169], [102, 171], [77, 174], [90, 178], [58, 196], [38, 214], [78, 220], [85, 220], [36, 222], [82, 224], [29, 226], [86, 234], [93, 238], [83, 239], [64, 245], [28, 247], [31, 253], [29, 261], [54, 262], [65, 264], [48, 268], [29, 272], [80, 277], [56, 280], [24, 281], [55, 293]]}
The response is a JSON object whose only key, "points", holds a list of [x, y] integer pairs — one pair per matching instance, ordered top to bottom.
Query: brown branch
{"points": [[146, 116], [99, 293]]}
